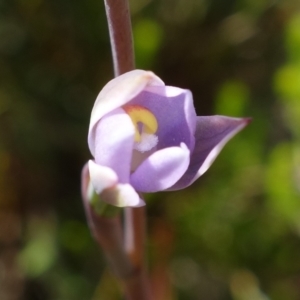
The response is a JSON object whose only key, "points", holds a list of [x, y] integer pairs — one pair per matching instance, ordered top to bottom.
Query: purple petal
{"points": [[118, 92], [175, 113], [212, 133], [114, 143], [161, 169]]}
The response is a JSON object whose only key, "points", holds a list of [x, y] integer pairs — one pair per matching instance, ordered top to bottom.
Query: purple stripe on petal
{"points": [[175, 114], [212, 133], [114, 141], [161, 169]]}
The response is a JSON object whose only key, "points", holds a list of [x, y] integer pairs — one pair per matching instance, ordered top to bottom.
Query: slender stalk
{"points": [[118, 17], [119, 24], [134, 234], [126, 256]]}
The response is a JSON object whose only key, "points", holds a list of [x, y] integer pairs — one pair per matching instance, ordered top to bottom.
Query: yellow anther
{"points": [[139, 114]]}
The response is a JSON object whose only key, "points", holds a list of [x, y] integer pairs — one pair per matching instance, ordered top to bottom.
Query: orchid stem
{"points": [[119, 25], [134, 221], [134, 235], [134, 239], [136, 285]]}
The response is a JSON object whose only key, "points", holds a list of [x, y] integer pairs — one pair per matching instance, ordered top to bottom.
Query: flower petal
{"points": [[118, 92], [175, 113], [212, 133], [114, 143], [161, 169], [101, 177], [105, 182], [122, 195]]}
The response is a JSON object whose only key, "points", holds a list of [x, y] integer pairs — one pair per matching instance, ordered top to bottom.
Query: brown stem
{"points": [[119, 24], [134, 235], [135, 284], [136, 287]]}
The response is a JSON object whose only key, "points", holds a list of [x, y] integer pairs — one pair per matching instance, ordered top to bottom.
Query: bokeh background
{"points": [[234, 234]]}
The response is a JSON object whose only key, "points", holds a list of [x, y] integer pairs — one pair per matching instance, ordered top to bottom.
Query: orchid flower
{"points": [[145, 137]]}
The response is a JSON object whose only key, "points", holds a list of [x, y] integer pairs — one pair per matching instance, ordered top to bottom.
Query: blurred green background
{"points": [[234, 234]]}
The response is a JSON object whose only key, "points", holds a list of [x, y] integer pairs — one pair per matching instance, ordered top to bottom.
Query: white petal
{"points": [[101, 177], [122, 195]]}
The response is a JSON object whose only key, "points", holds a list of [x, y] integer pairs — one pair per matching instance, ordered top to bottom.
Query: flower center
{"points": [[145, 125]]}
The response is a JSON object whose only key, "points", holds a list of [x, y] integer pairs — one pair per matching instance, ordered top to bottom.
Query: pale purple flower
{"points": [[145, 137]]}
